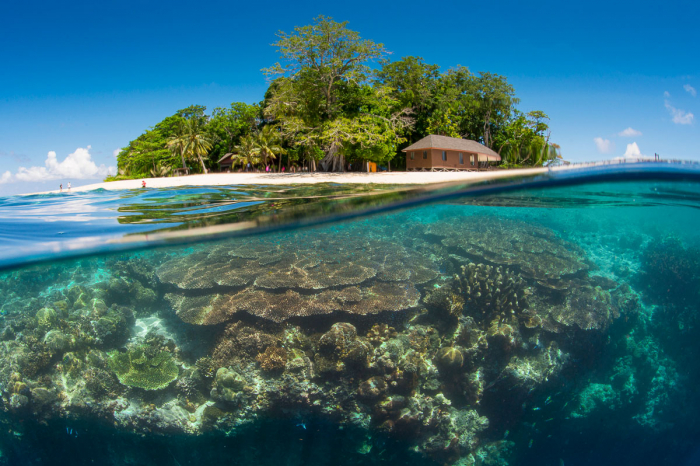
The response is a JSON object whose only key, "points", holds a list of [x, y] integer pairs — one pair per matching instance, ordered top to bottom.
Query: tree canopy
{"points": [[335, 97]]}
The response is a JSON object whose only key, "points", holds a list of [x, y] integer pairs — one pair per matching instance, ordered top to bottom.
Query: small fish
{"points": [[548, 400], [536, 408], [302, 425], [505, 435], [529, 445]]}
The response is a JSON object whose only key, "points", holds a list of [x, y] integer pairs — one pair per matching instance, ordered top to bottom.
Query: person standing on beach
{"points": [[143, 183], [69, 186], [60, 187]]}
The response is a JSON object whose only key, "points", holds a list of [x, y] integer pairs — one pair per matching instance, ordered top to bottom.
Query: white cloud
{"points": [[690, 90], [667, 94], [680, 117], [629, 133], [604, 146], [633, 151], [116, 152], [78, 165], [5, 177]]}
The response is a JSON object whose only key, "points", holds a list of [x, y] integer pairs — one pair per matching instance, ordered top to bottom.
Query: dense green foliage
{"points": [[334, 98]]}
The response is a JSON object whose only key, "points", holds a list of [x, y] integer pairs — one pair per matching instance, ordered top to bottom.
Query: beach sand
{"points": [[224, 179]]}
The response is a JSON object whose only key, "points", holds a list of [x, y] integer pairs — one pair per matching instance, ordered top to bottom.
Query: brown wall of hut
{"points": [[434, 160]]}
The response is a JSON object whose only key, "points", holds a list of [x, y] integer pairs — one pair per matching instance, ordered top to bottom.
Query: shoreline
{"points": [[237, 179]]}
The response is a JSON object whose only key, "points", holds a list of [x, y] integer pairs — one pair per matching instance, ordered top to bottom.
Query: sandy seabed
{"points": [[228, 179]]}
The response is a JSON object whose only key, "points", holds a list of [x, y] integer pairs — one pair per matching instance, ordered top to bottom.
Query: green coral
{"points": [[142, 368]]}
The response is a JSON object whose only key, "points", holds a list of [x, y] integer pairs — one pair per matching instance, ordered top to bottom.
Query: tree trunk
{"points": [[183, 160], [333, 161], [202, 162]]}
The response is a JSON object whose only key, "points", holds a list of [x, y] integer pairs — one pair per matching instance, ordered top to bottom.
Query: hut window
{"points": [[413, 154], [425, 154], [444, 155], [461, 158], [471, 159]]}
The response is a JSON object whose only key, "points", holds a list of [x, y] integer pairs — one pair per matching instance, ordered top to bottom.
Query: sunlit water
{"points": [[554, 324]]}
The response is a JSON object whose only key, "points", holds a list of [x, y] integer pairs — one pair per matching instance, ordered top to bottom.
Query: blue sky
{"points": [[80, 79]]}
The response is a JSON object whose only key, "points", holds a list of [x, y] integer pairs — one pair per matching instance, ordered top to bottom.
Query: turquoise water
{"points": [[545, 321]]}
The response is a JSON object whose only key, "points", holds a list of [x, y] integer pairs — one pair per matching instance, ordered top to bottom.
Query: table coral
{"points": [[138, 367]]}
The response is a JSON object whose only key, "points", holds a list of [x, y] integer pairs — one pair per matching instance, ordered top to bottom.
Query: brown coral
{"points": [[278, 307], [274, 359]]}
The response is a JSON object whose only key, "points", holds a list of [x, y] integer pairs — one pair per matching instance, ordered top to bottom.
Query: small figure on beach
{"points": [[248, 167], [282, 169], [143, 183], [69, 186], [60, 187]]}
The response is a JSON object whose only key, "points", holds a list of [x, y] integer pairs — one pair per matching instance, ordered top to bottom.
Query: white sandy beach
{"points": [[224, 179]]}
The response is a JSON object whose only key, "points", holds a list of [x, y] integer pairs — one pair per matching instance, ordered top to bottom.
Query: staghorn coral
{"points": [[490, 290], [142, 367]]}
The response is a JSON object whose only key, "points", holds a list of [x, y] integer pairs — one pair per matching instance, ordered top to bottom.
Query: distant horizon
{"points": [[616, 80]]}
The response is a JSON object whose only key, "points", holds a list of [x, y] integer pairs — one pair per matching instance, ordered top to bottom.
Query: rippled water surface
{"points": [[546, 323]]}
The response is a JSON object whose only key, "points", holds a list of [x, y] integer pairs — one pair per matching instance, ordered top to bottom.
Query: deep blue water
{"points": [[542, 321]]}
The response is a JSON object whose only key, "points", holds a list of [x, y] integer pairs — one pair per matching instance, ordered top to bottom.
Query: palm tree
{"points": [[191, 141], [198, 142], [268, 142], [177, 143], [247, 151]]}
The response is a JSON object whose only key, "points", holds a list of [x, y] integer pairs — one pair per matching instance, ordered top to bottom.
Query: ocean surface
{"points": [[547, 320]]}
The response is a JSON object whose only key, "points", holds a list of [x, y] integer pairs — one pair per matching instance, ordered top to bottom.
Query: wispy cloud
{"points": [[690, 90], [667, 94], [680, 117], [629, 133], [605, 146], [116, 152], [16, 157], [76, 166], [5, 177]]}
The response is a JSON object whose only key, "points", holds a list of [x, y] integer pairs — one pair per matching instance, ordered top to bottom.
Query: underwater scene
{"points": [[555, 325]]}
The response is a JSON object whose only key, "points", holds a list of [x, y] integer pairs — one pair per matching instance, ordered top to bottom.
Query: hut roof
{"points": [[433, 141], [225, 156]]}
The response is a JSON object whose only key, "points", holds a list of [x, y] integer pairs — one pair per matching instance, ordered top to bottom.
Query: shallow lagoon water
{"points": [[555, 324]]}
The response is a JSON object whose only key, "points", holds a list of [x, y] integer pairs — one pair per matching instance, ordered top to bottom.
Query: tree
{"points": [[329, 54], [324, 64], [230, 124], [191, 141], [269, 144], [247, 151]]}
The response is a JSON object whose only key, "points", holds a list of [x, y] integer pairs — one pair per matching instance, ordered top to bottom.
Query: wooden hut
{"points": [[442, 153], [226, 162]]}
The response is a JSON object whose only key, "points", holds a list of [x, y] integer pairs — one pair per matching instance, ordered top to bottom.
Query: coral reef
{"points": [[441, 337], [144, 367]]}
